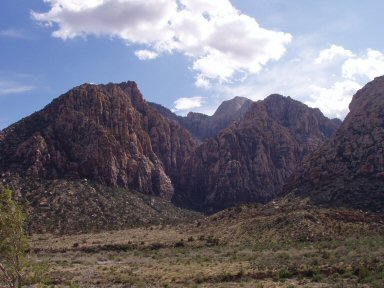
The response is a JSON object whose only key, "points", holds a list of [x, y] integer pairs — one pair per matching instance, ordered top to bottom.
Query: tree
{"points": [[13, 240]]}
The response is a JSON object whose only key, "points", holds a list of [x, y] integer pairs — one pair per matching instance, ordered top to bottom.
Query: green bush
{"points": [[13, 241]]}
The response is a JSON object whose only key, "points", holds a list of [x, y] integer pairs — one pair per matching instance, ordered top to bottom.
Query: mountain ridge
{"points": [[110, 136], [250, 160]]}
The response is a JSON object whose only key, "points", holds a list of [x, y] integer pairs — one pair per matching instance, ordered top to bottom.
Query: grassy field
{"points": [[250, 246]]}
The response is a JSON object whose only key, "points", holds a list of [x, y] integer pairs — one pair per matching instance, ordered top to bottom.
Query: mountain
{"points": [[203, 126], [105, 133], [91, 149], [250, 160], [349, 168]]}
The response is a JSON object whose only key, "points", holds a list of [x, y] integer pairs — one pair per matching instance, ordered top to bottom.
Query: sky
{"points": [[190, 55]]}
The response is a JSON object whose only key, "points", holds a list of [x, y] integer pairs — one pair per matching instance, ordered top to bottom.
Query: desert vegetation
{"points": [[13, 241], [201, 253]]}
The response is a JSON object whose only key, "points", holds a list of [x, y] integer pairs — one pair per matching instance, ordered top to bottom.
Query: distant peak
{"points": [[239, 98], [233, 105]]}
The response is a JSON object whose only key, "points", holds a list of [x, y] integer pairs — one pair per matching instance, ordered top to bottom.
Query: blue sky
{"points": [[189, 55]]}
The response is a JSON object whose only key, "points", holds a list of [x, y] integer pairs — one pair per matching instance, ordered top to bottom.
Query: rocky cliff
{"points": [[105, 133], [250, 160], [349, 168]]}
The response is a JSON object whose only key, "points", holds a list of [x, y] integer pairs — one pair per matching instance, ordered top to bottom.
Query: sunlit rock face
{"points": [[105, 133]]}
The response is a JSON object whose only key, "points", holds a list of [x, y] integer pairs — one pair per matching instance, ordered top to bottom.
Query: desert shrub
{"points": [[13, 241]]}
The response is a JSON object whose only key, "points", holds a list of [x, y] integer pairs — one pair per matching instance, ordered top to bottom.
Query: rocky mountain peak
{"points": [[368, 95], [236, 105], [203, 126], [106, 133], [349, 168]]}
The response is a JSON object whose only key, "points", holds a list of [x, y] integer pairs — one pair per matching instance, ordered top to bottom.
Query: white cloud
{"points": [[14, 33], [220, 40], [333, 52], [146, 54], [370, 65], [202, 82], [325, 86], [11, 87], [333, 101], [183, 104]]}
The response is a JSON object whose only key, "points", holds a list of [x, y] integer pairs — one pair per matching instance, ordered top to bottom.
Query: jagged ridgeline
{"points": [[245, 152], [250, 160]]}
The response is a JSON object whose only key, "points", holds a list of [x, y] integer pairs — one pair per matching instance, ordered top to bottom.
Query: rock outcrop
{"points": [[203, 126], [105, 133], [250, 160], [349, 168]]}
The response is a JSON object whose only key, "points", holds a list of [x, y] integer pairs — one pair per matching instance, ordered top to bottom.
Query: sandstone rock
{"points": [[106, 133], [349, 168]]}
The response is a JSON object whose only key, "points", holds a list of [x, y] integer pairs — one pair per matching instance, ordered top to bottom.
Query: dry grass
{"points": [[252, 246]]}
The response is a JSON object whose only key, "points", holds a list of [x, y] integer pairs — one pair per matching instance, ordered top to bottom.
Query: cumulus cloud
{"points": [[220, 40], [333, 52], [146, 54], [370, 65], [202, 82], [329, 86], [333, 101], [184, 104]]}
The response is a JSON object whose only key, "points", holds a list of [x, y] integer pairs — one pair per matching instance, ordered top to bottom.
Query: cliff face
{"points": [[308, 126], [106, 133], [250, 160], [349, 169]]}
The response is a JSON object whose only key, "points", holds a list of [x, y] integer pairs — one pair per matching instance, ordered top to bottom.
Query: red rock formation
{"points": [[106, 133], [111, 136], [251, 160], [349, 169]]}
